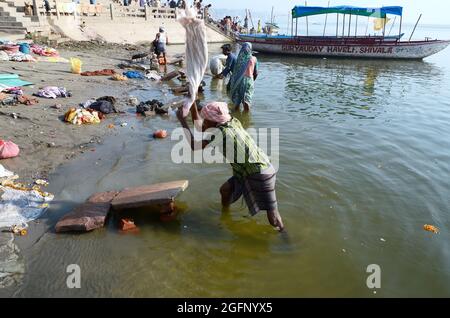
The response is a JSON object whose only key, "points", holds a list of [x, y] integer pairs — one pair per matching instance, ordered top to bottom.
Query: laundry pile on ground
{"points": [[44, 51], [22, 52], [105, 72], [53, 92], [14, 96], [106, 105], [151, 107], [92, 111], [80, 116], [20, 204]]}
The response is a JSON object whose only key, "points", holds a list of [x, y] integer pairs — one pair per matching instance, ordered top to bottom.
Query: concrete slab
{"points": [[149, 195], [84, 218]]}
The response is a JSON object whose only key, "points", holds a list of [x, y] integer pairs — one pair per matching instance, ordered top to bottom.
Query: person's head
{"points": [[161, 29], [246, 48], [226, 49], [215, 113]]}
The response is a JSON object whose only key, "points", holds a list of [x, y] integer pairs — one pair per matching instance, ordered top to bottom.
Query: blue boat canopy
{"points": [[304, 11]]}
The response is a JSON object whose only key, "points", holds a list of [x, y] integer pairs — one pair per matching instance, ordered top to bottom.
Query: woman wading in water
{"points": [[243, 78]]}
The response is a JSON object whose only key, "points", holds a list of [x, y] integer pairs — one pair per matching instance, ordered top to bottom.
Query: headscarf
{"points": [[161, 29], [244, 57], [217, 112]]}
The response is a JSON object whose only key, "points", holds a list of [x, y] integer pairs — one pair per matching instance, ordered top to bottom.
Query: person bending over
{"points": [[229, 65], [254, 177]]}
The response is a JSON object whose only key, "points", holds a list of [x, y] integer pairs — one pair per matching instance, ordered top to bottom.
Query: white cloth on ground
{"points": [[18, 207]]}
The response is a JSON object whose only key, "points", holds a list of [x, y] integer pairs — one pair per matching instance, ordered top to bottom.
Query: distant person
{"points": [[172, 4], [47, 7], [206, 14], [259, 26], [160, 43], [230, 63], [242, 80]]}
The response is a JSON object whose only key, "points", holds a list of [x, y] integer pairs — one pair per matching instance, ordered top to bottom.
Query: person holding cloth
{"points": [[254, 177]]}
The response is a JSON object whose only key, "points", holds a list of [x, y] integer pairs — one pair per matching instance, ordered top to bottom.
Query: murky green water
{"points": [[364, 164]]}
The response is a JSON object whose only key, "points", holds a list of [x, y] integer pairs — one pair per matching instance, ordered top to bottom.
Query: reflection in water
{"points": [[369, 83], [359, 89], [351, 192]]}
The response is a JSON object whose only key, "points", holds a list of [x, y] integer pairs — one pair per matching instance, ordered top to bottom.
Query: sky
{"points": [[434, 11]]}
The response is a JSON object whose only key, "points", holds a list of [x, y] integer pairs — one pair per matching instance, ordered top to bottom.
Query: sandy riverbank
{"points": [[44, 139]]}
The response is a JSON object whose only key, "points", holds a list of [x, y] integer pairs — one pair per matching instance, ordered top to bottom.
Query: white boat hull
{"points": [[385, 50]]}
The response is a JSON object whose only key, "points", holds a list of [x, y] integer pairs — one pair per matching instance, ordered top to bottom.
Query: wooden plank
{"points": [[148, 195]]}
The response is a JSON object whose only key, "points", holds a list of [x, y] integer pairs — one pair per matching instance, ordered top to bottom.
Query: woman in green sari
{"points": [[243, 79]]}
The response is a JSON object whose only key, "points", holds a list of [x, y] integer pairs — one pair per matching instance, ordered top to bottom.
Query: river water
{"points": [[364, 164]]}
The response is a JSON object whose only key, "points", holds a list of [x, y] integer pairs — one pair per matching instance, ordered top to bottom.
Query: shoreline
{"points": [[45, 140], [47, 143]]}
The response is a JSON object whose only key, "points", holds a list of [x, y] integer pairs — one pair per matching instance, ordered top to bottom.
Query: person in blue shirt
{"points": [[231, 61]]}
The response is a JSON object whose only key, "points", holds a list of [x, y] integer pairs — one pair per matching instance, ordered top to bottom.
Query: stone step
{"points": [[4, 14], [6, 19], [10, 24], [14, 30]]}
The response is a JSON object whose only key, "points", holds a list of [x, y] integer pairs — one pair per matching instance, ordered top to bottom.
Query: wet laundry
{"points": [[44, 51], [196, 53], [21, 57], [104, 72], [134, 74], [153, 75], [118, 77], [13, 90], [53, 92], [26, 100], [105, 104], [151, 106], [80, 116], [20, 205]]}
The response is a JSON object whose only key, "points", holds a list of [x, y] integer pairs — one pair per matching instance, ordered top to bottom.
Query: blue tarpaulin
{"points": [[304, 11], [11, 80]]}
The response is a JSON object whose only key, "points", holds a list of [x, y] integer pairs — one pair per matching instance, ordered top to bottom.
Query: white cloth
{"points": [[196, 52], [216, 65], [5, 173], [18, 207]]}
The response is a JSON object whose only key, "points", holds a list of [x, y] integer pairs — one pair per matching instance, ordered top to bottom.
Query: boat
{"points": [[346, 43]]}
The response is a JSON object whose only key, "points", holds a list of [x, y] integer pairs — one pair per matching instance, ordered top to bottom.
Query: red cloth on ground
{"points": [[105, 72]]}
